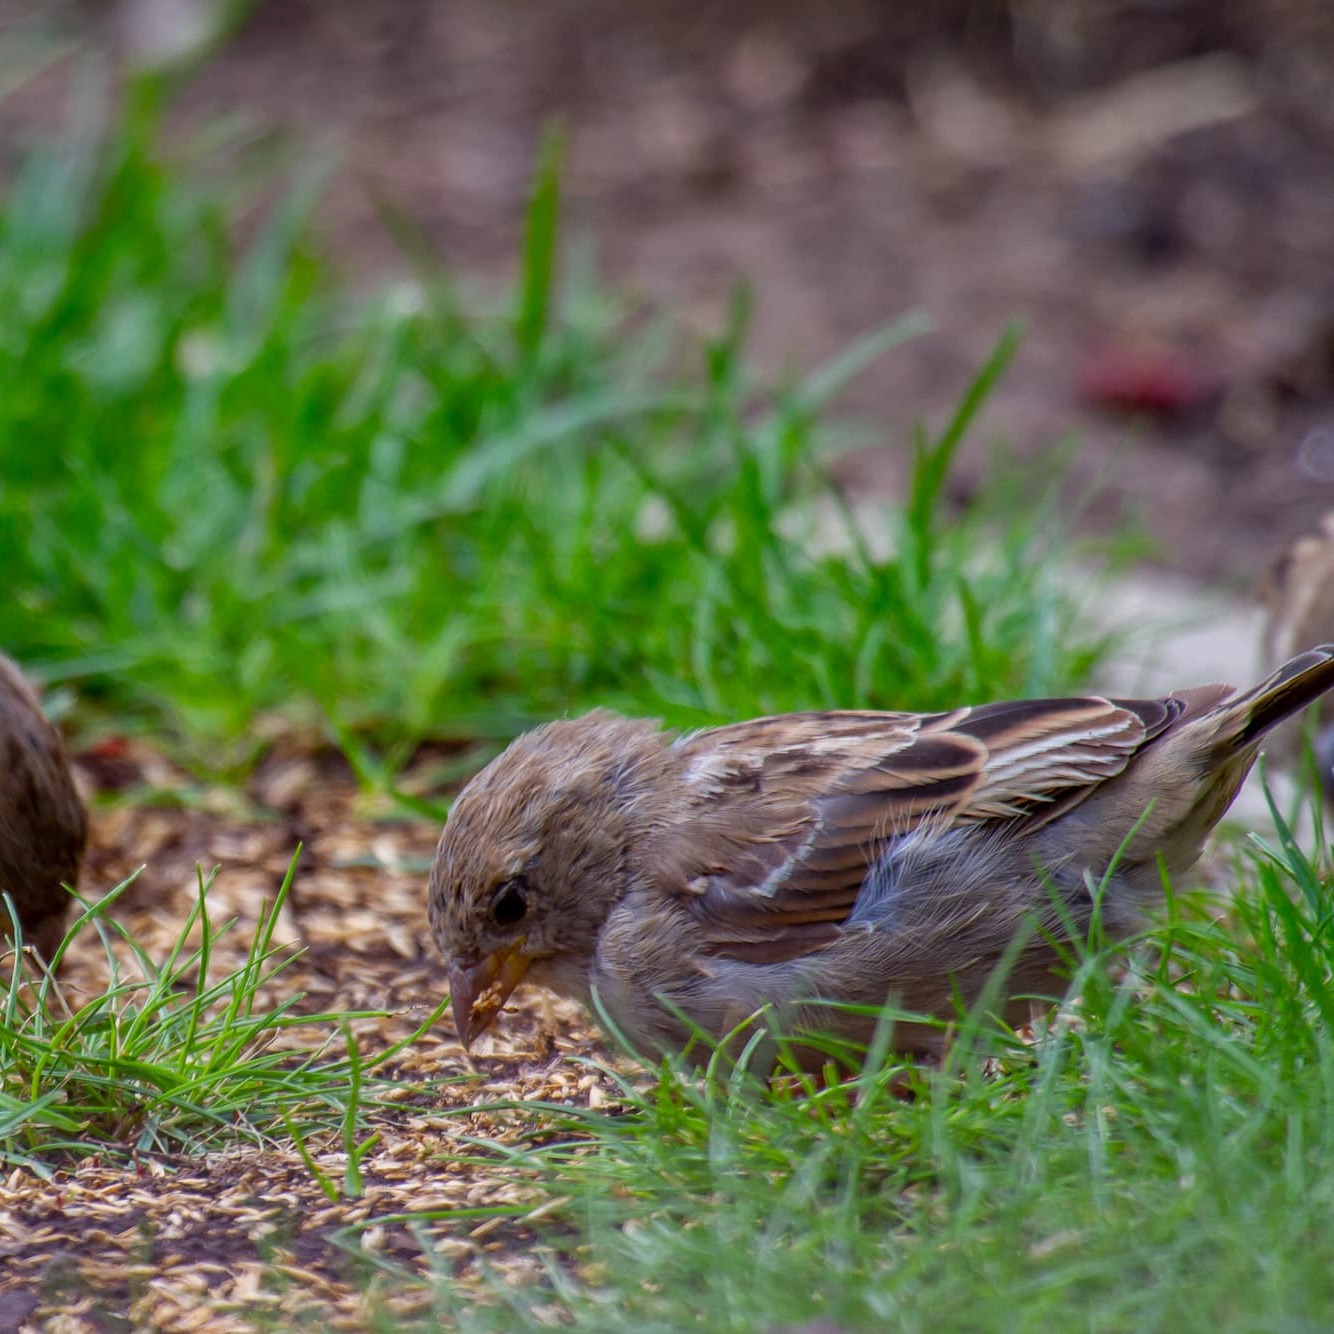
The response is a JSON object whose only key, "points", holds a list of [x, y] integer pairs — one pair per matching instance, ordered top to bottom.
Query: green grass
{"points": [[229, 486], [232, 486], [169, 1057], [1163, 1159]]}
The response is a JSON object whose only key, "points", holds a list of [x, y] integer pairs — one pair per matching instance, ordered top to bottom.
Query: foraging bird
{"points": [[1299, 599], [43, 824], [848, 857]]}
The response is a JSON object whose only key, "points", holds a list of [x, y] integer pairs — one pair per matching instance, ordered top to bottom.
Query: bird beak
{"points": [[479, 991]]}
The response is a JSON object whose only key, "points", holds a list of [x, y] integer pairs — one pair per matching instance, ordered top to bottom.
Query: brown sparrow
{"points": [[1299, 601], [43, 825], [846, 857]]}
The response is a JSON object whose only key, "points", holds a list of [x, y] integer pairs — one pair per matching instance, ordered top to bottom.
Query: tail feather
{"points": [[1300, 681]]}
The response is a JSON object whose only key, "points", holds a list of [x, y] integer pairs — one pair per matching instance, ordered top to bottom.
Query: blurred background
{"points": [[1148, 184], [247, 244]]}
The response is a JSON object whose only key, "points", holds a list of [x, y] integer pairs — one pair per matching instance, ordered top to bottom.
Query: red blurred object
{"points": [[1146, 381], [114, 747]]}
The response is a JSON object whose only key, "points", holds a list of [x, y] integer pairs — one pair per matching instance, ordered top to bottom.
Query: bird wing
{"points": [[794, 811]]}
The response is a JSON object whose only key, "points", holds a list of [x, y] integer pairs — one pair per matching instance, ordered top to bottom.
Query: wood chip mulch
{"points": [[245, 1235]]}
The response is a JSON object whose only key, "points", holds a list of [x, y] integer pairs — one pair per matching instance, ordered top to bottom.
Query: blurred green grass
{"points": [[233, 484]]}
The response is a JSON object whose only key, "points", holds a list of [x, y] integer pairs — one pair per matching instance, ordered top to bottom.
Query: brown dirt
{"points": [[245, 1234]]}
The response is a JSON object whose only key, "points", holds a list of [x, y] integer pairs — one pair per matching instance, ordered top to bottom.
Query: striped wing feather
{"points": [[829, 792]]}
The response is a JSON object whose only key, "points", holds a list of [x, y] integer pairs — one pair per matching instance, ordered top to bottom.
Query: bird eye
{"points": [[510, 903]]}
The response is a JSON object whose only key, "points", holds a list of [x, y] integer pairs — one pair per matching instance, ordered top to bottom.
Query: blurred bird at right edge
{"points": [[1298, 593]]}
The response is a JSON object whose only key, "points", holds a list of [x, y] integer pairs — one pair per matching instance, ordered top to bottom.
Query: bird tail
{"points": [[1241, 722]]}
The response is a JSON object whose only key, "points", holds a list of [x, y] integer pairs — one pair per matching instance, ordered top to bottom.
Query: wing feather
{"points": [[816, 799]]}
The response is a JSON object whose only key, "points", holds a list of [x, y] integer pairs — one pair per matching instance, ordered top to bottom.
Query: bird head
{"points": [[537, 850]]}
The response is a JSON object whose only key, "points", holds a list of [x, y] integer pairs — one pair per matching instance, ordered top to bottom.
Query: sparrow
{"points": [[1298, 593], [43, 824], [810, 862]]}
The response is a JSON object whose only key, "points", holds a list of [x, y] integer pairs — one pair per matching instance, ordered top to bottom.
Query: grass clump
{"points": [[229, 487], [169, 1058]]}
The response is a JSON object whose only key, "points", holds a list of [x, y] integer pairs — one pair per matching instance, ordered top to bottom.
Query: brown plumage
{"points": [[1299, 601], [43, 825], [852, 857]]}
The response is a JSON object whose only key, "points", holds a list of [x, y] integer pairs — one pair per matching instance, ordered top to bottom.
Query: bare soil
{"points": [[245, 1234]]}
